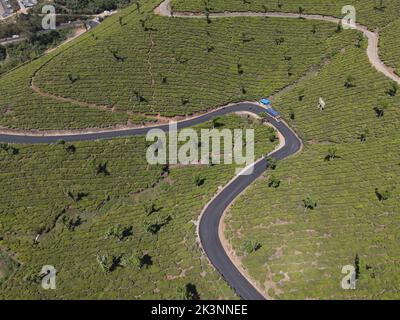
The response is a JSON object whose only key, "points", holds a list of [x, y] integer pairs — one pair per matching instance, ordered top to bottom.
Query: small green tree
{"points": [[137, 3], [380, 6], [265, 10], [301, 11], [314, 29], [359, 40], [3, 53], [239, 67], [349, 83], [392, 91], [301, 95], [380, 109], [292, 115], [216, 123], [363, 133], [272, 136], [8, 149], [70, 149], [331, 155], [271, 163], [101, 169], [199, 180], [273, 182], [382, 195], [75, 196], [149, 207], [154, 225], [119, 232], [251, 246], [145, 261], [108, 262], [357, 266], [187, 293]]}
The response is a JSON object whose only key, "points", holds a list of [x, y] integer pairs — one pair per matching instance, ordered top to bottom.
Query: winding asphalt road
{"points": [[208, 228]]}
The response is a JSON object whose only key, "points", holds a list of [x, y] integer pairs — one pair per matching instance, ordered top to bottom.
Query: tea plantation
{"points": [[373, 13], [335, 204], [112, 225], [116, 227]]}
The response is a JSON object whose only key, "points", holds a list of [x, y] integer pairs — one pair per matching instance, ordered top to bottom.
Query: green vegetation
{"points": [[88, 6], [373, 13], [388, 44], [34, 46], [174, 78], [116, 227], [126, 234], [7, 265]]}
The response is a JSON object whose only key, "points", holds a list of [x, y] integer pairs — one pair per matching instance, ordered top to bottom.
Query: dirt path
{"points": [[164, 9], [75, 34], [373, 37], [373, 54]]}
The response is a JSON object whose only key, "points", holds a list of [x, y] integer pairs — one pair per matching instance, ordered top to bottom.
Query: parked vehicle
{"points": [[274, 114]]}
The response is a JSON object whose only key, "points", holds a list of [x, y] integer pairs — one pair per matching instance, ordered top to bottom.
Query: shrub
{"points": [[3, 53], [349, 83], [392, 91], [380, 110], [292, 115], [362, 136], [7, 148], [70, 149], [331, 154], [271, 163], [101, 168], [199, 180], [273, 182], [382, 195], [309, 203], [149, 208], [153, 226], [119, 232], [251, 246], [108, 263]]}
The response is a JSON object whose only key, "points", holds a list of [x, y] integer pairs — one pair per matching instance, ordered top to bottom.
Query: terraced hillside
{"points": [[373, 13], [389, 45], [140, 64], [92, 201], [338, 201], [294, 230]]}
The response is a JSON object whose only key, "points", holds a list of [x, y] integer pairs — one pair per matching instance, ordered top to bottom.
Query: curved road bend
{"points": [[164, 10], [210, 220]]}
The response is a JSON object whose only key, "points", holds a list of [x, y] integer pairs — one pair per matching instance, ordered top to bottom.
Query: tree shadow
{"points": [[145, 261], [191, 292]]}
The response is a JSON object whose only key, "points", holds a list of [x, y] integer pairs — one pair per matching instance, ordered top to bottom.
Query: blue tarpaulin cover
{"points": [[265, 101]]}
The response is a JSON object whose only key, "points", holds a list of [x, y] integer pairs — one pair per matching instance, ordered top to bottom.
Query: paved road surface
{"points": [[164, 9], [210, 220]]}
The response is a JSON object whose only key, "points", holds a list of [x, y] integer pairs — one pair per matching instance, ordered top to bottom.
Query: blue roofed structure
{"points": [[265, 102]]}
